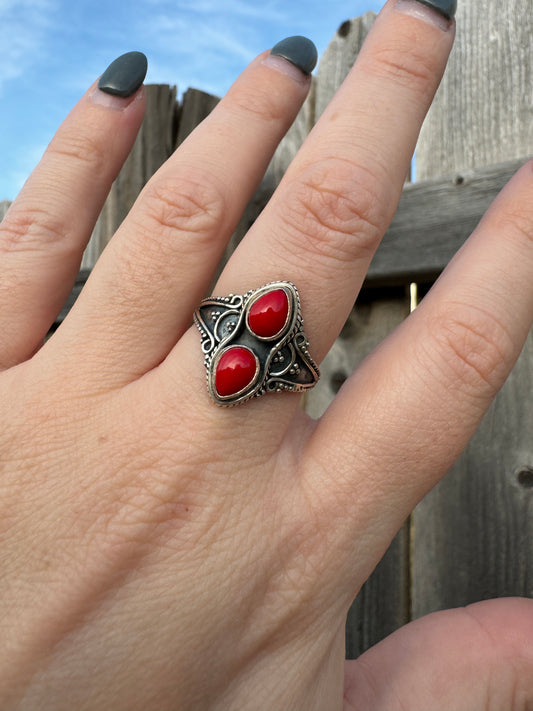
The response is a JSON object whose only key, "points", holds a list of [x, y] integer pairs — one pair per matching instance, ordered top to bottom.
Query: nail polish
{"points": [[447, 8], [299, 51], [124, 76]]}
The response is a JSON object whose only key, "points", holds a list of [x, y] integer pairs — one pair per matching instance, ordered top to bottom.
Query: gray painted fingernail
{"points": [[447, 8], [299, 51], [124, 76]]}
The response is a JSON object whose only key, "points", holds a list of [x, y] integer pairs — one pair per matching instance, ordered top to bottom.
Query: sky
{"points": [[52, 51]]}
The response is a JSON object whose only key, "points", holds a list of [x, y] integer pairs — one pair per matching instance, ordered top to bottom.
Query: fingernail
{"points": [[447, 8], [437, 12], [299, 51], [124, 76]]}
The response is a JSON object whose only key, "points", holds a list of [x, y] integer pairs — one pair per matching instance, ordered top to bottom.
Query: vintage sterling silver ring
{"points": [[255, 344]]}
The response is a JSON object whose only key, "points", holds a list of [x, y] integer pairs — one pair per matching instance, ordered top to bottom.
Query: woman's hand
{"points": [[159, 552]]}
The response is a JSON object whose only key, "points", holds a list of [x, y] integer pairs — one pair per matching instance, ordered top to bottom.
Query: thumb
{"points": [[471, 659]]}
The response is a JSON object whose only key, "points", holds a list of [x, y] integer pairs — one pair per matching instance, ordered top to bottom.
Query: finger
{"points": [[329, 213], [325, 220], [43, 235], [142, 293], [418, 399], [472, 658]]}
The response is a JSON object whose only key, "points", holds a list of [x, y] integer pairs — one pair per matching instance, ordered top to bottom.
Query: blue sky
{"points": [[52, 50]]}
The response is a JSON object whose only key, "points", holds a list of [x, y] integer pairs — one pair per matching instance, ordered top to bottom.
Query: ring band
{"points": [[255, 344]]}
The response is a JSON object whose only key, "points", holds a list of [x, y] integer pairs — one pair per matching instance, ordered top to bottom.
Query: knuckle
{"points": [[406, 66], [260, 104], [80, 147], [192, 206], [334, 208], [177, 217], [29, 228], [474, 345]]}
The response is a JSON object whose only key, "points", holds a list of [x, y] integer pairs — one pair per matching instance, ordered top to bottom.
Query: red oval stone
{"points": [[268, 314], [235, 370]]}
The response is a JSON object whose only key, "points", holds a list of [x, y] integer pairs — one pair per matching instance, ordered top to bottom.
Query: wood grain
{"points": [[196, 105], [482, 112], [4, 207], [433, 220]]}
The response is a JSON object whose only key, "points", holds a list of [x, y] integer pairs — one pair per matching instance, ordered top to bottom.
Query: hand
{"points": [[159, 552]]}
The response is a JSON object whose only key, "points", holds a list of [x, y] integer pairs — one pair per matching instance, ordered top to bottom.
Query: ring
{"points": [[255, 344]]}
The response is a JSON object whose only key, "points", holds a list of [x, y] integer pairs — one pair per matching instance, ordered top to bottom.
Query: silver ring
{"points": [[255, 344]]}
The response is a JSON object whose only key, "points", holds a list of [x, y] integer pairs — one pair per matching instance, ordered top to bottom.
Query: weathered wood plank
{"points": [[339, 58], [195, 107], [482, 112], [4, 207], [434, 218], [473, 534]]}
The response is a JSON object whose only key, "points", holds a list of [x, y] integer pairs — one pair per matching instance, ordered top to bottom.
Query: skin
{"points": [[159, 552]]}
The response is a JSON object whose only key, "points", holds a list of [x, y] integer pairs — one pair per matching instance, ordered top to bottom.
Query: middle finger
{"points": [[326, 219], [324, 222]]}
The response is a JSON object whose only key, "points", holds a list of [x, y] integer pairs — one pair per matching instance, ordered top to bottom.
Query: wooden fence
{"points": [[472, 537]]}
